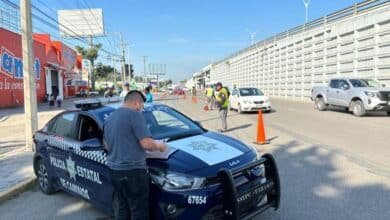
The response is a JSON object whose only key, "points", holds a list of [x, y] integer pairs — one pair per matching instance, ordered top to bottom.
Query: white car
{"points": [[249, 100]]}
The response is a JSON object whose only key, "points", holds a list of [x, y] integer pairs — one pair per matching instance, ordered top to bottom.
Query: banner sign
{"points": [[12, 66]]}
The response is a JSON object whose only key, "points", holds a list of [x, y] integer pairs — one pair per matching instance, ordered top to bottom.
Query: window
{"points": [[334, 83], [343, 83], [251, 92], [164, 123], [63, 125], [88, 129]]}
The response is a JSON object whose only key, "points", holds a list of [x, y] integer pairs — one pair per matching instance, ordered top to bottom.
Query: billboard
{"points": [[81, 23]]}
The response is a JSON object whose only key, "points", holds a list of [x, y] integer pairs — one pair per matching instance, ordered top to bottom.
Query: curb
{"points": [[17, 189]]}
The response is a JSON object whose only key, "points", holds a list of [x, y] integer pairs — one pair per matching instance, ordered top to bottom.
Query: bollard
{"points": [[260, 137]]}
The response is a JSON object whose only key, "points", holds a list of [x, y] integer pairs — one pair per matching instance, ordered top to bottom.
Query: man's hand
{"points": [[153, 145], [162, 146]]}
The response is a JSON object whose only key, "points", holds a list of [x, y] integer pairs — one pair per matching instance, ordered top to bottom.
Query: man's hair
{"points": [[135, 95]]}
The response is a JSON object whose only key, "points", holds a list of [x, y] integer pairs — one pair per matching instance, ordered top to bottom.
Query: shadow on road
{"points": [[239, 127], [315, 186]]}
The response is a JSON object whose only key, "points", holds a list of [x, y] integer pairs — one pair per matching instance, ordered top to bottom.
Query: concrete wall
{"points": [[289, 64]]}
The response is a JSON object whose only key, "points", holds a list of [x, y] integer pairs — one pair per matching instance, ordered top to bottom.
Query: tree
{"points": [[90, 54], [103, 72]]}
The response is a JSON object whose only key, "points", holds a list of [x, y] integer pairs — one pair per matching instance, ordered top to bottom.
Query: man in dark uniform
{"points": [[127, 139]]}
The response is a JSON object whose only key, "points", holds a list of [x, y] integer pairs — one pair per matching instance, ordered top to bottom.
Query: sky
{"points": [[187, 35]]}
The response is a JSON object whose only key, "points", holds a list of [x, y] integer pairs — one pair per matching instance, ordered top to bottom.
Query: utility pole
{"points": [[306, 4], [123, 45], [145, 66], [92, 69], [30, 97]]}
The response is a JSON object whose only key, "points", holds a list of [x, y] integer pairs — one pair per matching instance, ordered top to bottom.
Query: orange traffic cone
{"points": [[194, 99], [206, 108], [260, 139]]}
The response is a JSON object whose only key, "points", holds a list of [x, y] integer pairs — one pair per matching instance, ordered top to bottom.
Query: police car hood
{"points": [[204, 154]]}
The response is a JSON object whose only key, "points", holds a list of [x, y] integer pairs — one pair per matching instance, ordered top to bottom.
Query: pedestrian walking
{"points": [[126, 89], [193, 91], [148, 95], [210, 97], [51, 100], [59, 101], [222, 103], [127, 137]]}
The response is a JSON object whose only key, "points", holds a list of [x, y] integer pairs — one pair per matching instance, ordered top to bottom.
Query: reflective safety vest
{"points": [[209, 92], [218, 98]]}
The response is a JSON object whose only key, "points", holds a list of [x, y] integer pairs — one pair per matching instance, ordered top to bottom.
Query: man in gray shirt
{"points": [[126, 138]]}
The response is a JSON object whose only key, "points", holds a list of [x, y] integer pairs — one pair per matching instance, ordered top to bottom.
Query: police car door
{"points": [[59, 142], [91, 173]]}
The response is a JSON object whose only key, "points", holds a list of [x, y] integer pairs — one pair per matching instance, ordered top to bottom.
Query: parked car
{"points": [[178, 91], [84, 93], [359, 95], [248, 100], [202, 175]]}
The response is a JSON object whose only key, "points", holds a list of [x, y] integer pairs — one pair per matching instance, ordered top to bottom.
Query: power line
{"points": [[54, 26]]}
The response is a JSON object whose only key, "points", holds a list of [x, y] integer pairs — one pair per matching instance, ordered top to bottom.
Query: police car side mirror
{"points": [[92, 144]]}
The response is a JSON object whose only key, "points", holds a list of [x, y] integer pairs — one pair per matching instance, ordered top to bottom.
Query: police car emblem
{"points": [[203, 145], [71, 168]]}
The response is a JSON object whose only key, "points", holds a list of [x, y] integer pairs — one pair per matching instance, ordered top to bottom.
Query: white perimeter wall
{"points": [[355, 46]]}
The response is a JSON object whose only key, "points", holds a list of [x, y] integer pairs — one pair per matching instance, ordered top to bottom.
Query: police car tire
{"points": [[388, 113], [45, 182]]}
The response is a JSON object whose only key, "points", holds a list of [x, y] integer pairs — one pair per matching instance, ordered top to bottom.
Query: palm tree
{"points": [[90, 54]]}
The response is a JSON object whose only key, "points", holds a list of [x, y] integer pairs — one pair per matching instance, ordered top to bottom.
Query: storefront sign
{"points": [[12, 66]]}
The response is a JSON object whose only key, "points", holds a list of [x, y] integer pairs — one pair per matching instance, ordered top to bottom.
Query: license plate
{"points": [[261, 189]]}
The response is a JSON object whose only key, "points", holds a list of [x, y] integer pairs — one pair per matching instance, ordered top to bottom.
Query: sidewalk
{"points": [[15, 161]]}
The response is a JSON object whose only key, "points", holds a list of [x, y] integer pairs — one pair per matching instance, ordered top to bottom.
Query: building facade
{"points": [[351, 42], [55, 64]]}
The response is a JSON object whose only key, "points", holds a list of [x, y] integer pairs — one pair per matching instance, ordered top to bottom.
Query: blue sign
{"points": [[13, 66]]}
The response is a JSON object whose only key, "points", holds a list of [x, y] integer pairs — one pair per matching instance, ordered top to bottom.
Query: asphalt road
{"points": [[365, 140], [332, 165]]}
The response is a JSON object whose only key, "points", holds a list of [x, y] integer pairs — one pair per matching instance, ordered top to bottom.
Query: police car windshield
{"points": [[250, 92], [164, 122]]}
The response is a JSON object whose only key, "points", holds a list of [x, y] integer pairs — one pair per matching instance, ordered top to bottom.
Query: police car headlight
{"points": [[172, 181]]}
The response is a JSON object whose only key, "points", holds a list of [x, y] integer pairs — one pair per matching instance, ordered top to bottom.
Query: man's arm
{"points": [[152, 145]]}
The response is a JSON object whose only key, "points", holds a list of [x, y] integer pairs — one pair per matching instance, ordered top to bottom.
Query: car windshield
{"points": [[364, 83], [250, 92], [166, 123]]}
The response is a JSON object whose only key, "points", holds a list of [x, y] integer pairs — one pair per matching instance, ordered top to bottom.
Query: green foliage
{"points": [[91, 53], [104, 72]]}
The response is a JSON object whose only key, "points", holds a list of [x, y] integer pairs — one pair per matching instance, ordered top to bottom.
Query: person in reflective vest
{"points": [[210, 97], [222, 102]]}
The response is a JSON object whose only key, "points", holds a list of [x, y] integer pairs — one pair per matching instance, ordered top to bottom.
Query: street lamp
{"points": [[306, 3]]}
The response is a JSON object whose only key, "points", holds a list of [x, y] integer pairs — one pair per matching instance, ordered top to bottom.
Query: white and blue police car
{"points": [[202, 175]]}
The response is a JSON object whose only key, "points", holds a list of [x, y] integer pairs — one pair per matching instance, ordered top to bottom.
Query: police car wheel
{"points": [[44, 181]]}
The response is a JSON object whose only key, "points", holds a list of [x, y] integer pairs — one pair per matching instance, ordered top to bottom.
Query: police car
{"points": [[202, 175]]}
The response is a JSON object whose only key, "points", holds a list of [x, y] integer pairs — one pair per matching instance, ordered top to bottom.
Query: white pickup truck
{"points": [[358, 95]]}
